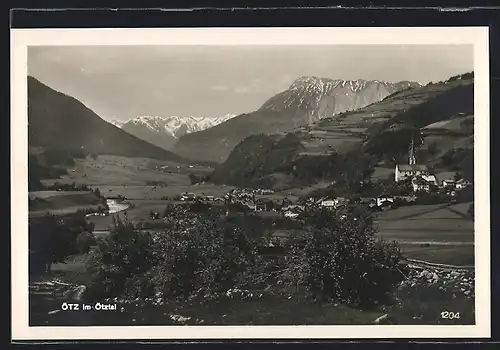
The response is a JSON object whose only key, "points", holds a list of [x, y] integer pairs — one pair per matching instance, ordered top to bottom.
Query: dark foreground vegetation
{"points": [[213, 269]]}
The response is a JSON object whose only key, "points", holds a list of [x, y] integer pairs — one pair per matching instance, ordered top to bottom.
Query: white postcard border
{"points": [[22, 38]]}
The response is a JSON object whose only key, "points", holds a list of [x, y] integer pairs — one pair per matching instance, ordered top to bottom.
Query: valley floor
{"points": [[440, 234]]}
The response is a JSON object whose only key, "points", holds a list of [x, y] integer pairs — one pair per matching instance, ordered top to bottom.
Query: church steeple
{"points": [[411, 159]]}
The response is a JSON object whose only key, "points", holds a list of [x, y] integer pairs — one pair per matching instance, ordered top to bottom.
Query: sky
{"points": [[122, 82]]}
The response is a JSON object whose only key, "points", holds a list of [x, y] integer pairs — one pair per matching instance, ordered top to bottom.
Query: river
{"points": [[115, 206]]}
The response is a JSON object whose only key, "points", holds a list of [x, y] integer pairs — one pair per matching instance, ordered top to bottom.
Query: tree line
{"points": [[338, 257]]}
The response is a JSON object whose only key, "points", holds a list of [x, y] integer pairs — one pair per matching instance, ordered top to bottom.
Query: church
{"points": [[414, 171]]}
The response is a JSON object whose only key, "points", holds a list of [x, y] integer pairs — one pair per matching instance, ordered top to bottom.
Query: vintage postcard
{"points": [[244, 183]]}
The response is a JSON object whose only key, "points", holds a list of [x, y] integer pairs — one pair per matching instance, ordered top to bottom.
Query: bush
{"points": [[194, 179], [68, 187], [432, 197], [54, 238], [84, 242], [194, 254], [199, 255], [341, 259], [118, 260]]}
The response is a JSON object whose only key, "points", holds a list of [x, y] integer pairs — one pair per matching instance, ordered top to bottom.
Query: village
{"points": [[415, 178], [247, 198]]}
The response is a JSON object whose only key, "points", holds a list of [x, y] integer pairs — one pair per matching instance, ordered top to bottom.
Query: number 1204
{"points": [[450, 315]]}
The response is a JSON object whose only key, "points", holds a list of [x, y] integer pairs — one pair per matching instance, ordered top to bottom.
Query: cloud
{"points": [[220, 88], [242, 90]]}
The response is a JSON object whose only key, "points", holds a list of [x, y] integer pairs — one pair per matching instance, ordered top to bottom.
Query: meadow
{"points": [[435, 233], [439, 233]]}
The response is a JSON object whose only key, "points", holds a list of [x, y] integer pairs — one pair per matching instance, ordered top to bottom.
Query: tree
{"points": [[194, 179], [199, 207], [169, 209], [52, 239], [85, 241], [195, 255], [201, 255], [340, 258], [120, 262]]}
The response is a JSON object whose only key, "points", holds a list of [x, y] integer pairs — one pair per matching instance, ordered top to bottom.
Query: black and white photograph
{"points": [[300, 177]]}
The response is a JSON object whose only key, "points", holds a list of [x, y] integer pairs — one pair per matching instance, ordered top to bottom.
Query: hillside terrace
{"points": [[343, 131]]}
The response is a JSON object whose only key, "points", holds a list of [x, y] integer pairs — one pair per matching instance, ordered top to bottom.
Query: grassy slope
{"points": [[348, 131], [216, 143], [129, 177], [62, 202], [443, 224]]}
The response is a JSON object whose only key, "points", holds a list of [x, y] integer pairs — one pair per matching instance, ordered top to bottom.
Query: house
{"points": [[404, 171], [431, 179], [423, 183], [462, 183], [448, 184], [263, 191], [451, 192], [187, 197], [384, 200], [340, 201], [329, 203], [332, 203], [265, 204], [251, 206], [293, 208], [291, 214]]}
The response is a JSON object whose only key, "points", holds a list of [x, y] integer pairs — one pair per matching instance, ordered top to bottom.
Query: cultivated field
{"points": [[343, 131], [133, 177], [61, 202], [438, 233]]}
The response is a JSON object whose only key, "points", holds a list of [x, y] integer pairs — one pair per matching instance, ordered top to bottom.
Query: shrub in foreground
{"points": [[84, 241], [194, 255], [201, 256], [340, 258], [118, 260]]}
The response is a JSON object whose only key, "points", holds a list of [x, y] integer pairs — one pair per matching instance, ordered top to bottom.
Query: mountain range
{"points": [[308, 99], [60, 122], [315, 124], [165, 131], [350, 144]]}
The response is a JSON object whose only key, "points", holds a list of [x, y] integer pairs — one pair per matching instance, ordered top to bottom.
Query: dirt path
{"points": [[430, 210], [435, 243]]}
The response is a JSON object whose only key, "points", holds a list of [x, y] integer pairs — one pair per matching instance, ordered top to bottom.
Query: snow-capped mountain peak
{"points": [[325, 85], [325, 97], [118, 123], [174, 125], [164, 131]]}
